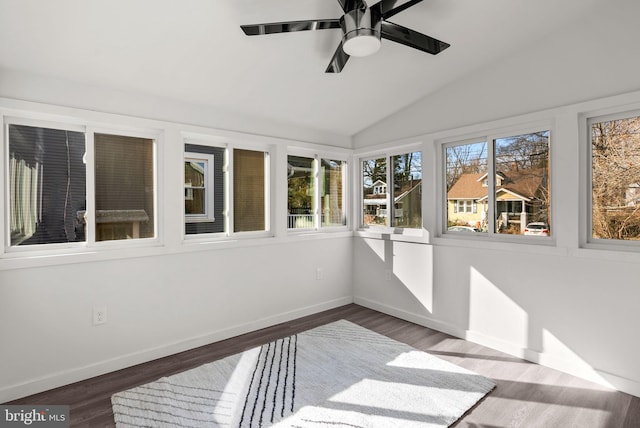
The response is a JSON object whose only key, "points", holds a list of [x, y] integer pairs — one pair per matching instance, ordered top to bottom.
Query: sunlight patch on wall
{"points": [[494, 314], [558, 355]]}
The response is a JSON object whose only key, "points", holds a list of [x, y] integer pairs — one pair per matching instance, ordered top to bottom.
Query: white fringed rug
{"points": [[337, 375]]}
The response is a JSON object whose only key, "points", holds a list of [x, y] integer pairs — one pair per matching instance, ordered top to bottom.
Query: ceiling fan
{"points": [[362, 28]]}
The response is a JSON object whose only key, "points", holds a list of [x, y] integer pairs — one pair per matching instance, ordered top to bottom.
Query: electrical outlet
{"points": [[319, 274], [387, 275], [99, 315]]}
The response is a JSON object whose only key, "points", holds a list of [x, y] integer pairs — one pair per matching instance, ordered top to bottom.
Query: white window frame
{"points": [[489, 138], [229, 144], [388, 154], [209, 189], [230, 193], [345, 196], [316, 201], [586, 230], [90, 243]]}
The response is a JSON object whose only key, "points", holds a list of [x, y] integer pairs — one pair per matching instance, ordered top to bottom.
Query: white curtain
{"points": [[26, 199]]}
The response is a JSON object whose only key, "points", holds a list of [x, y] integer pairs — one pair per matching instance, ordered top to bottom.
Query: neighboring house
{"points": [[632, 195], [521, 197], [375, 202]]}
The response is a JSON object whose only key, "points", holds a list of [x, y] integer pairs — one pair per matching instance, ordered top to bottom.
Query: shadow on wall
{"points": [[399, 274]]}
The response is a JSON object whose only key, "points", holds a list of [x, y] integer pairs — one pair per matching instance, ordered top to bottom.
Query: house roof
{"points": [[523, 184], [468, 186], [405, 188]]}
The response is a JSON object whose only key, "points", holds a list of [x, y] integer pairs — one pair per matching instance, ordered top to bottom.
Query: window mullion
{"points": [[228, 172], [390, 184], [491, 186], [267, 191], [345, 195], [317, 211], [90, 217]]}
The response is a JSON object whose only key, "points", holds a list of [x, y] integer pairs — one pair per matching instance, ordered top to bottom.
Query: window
{"points": [[615, 178], [332, 181], [466, 181], [204, 183], [47, 185], [124, 187], [198, 187], [500, 188], [226, 189], [250, 190], [315, 192], [374, 192], [50, 200], [300, 205], [402, 206], [464, 206]]}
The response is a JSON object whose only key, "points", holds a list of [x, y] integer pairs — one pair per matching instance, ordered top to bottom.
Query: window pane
{"points": [[466, 178], [615, 181], [47, 185], [125, 187], [204, 189], [249, 190], [407, 190], [300, 192], [331, 192], [374, 192], [522, 194], [195, 197], [194, 201]]}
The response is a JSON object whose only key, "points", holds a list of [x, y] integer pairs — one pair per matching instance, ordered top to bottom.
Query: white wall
{"points": [[586, 60], [41, 89], [168, 297], [563, 305], [156, 306], [576, 310]]}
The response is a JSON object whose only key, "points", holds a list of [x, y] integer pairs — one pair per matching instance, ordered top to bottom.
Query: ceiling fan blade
{"points": [[349, 5], [387, 9], [290, 26], [399, 34], [339, 59]]}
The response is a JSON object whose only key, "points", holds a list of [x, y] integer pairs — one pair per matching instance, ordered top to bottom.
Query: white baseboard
{"points": [[409, 316], [583, 371], [67, 377]]}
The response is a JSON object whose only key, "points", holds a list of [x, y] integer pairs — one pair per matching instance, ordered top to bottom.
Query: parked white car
{"points": [[537, 228], [464, 229]]}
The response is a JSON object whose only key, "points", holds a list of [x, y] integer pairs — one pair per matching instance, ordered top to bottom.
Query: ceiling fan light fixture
{"points": [[362, 26], [360, 45]]}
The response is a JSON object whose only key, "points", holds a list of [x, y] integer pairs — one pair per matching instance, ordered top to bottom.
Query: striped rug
{"points": [[337, 375]]}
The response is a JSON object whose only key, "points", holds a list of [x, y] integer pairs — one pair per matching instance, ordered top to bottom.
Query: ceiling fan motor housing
{"points": [[361, 28]]}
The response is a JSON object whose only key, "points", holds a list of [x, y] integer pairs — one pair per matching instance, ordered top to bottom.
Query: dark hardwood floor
{"points": [[527, 395]]}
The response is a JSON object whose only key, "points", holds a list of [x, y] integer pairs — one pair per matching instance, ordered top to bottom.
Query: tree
{"points": [[527, 151], [465, 159], [374, 170], [615, 174]]}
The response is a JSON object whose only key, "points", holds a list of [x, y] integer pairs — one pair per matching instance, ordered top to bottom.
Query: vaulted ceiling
{"points": [[195, 52]]}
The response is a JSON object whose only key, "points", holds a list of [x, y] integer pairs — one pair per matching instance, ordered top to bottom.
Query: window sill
{"points": [[318, 234], [417, 236], [526, 245], [610, 253], [76, 254], [71, 255]]}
